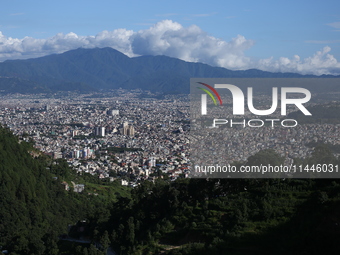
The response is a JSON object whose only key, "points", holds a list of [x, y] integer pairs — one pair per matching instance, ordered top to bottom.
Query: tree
{"points": [[265, 157], [105, 240], [92, 250]]}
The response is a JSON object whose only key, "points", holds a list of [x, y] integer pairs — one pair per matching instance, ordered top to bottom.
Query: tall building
{"points": [[128, 129], [100, 131], [85, 153], [76, 154]]}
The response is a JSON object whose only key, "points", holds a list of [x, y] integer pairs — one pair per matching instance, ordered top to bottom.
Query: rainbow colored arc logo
{"points": [[210, 94]]}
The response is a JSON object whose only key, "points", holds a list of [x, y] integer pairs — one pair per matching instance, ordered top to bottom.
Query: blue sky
{"points": [[301, 36]]}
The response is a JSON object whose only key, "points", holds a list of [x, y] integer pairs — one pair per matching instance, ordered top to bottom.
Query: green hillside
{"points": [[35, 209], [188, 216], [229, 216]]}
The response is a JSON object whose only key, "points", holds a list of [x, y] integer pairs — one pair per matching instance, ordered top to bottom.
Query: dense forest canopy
{"points": [[187, 216]]}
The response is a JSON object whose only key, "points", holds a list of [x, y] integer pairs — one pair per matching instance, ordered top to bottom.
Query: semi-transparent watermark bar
{"points": [[265, 127]]}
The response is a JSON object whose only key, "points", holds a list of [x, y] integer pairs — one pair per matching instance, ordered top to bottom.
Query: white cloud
{"points": [[334, 24], [171, 39], [191, 44], [28, 47], [320, 63]]}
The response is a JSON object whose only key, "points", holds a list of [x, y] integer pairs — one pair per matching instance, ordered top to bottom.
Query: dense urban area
{"points": [[137, 133], [105, 134], [107, 174]]}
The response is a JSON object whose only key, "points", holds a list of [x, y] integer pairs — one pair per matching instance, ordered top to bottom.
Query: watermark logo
{"points": [[204, 97], [239, 101], [261, 127]]}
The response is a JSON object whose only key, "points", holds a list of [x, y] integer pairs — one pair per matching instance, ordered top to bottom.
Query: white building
{"points": [[100, 131]]}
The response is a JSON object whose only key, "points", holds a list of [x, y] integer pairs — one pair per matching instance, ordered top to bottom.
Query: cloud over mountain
{"points": [[171, 39], [191, 44], [320, 63]]}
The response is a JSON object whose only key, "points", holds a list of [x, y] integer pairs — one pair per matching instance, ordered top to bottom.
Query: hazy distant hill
{"points": [[106, 68]]}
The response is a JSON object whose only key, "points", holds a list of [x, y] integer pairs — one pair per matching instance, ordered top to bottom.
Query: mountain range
{"points": [[106, 68]]}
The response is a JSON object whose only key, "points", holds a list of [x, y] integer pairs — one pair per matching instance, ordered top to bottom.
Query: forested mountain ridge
{"points": [[105, 68]]}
